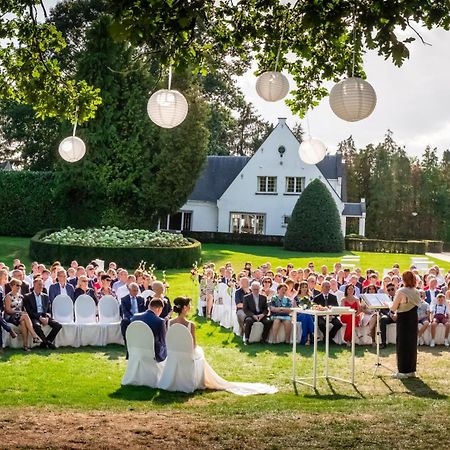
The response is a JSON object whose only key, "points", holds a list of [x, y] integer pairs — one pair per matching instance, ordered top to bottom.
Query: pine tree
{"points": [[315, 224]]}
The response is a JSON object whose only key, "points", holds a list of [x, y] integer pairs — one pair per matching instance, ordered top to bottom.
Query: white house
{"points": [[257, 194]]}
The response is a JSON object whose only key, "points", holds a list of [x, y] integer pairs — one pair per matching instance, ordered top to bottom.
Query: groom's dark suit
{"points": [[328, 300], [30, 305], [252, 308], [158, 326]]}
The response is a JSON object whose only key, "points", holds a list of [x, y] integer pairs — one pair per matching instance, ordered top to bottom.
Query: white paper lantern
{"points": [[272, 86], [353, 99], [167, 108], [72, 149], [312, 151]]}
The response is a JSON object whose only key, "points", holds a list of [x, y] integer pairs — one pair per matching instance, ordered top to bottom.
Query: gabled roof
{"points": [[331, 166], [217, 175], [354, 209]]}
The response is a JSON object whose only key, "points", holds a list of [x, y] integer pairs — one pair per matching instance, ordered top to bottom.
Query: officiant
{"points": [[405, 303]]}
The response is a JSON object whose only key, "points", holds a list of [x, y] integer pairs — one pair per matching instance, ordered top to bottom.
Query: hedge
{"points": [[27, 203], [215, 237], [383, 246], [162, 258]]}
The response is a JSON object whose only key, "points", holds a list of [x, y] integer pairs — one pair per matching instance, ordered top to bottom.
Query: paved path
{"points": [[442, 256]]}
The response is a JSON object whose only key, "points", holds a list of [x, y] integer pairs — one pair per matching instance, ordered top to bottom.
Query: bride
{"points": [[182, 306]]}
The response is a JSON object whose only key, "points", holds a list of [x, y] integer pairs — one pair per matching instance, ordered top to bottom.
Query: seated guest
{"points": [[47, 279], [353, 280], [122, 281], [24, 287], [61, 287], [105, 288], [84, 289], [158, 289], [267, 289], [123, 290], [335, 290], [313, 292], [432, 292], [239, 295], [326, 299], [351, 301], [130, 305], [38, 306], [280, 308], [256, 310], [14, 314], [440, 314], [386, 316], [369, 317], [423, 317], [307, 321], [3, 323], [157, 325]]}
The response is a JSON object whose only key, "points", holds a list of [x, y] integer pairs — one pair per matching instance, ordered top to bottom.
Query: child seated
{"points": [[439, 314], [423, 317]]}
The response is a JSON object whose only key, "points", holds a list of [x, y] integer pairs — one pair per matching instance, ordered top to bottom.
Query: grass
{"points": [[379, 412]]}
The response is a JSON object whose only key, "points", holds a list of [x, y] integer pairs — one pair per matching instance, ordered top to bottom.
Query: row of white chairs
{"points": [[224, 313], [80, 325], [181, 371]]}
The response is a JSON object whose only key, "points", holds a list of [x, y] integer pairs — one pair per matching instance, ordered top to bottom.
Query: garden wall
{"points": [[214, 237], [383, 246], [162, 258]]}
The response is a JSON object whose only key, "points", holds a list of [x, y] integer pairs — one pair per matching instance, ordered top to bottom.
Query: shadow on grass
{"points": [[418, 388], [155, 396]]}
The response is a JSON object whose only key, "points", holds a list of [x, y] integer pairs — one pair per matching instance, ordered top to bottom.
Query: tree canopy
{"points": [[316, 41]]}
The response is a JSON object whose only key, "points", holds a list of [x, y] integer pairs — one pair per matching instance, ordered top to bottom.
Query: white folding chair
{"points": [[217, 309], [62, 312], [227, 312], [109, 320], [89, 331], [142, 368], [182, 371]]}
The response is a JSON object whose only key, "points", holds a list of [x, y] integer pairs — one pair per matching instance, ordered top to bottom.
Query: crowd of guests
{"points": [[266, 294], [26, 297]]}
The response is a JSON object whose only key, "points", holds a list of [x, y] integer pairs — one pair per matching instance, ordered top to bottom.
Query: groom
{"points": [[157, 325]]}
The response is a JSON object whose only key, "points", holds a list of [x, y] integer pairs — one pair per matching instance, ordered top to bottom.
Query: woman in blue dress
{"points": [[304, 301], [280, 308]]}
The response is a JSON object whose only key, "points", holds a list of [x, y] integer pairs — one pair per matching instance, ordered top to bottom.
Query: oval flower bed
{"points": [[115, 237], [126, 247]]}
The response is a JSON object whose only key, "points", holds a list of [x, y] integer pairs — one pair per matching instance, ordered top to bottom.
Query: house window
{"points": [[267, 184], [295, 185], [180, 221], [285, 221], [247, 223]]}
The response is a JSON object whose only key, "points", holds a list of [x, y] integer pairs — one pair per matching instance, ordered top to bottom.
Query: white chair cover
{"points": [[122, 292], [146, 294], [201, 303], [217, 309], [62, 312], [109, 320], [226, 320], [90, 332], [256, 332], [142, 368], [183, 371]]}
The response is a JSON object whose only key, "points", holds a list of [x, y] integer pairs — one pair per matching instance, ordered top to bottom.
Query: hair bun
{"points": [[177, 309]]}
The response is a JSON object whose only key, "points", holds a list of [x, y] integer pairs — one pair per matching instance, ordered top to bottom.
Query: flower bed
{"points": [[126, 247]]}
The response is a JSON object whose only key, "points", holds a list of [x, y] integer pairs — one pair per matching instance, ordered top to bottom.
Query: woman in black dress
{"points": [[405, 304]]}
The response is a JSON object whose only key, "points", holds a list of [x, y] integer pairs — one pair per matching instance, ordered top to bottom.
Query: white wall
{"points": [[241, 195], [204, 215]]}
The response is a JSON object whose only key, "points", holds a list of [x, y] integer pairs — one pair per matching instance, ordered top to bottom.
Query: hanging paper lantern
{"points": [[272, 86], [353, 99], [167, 108], [72, 149], [312, 151]]}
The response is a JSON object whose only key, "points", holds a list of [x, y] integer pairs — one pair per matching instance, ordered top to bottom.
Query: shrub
{"points": [[27, 203], [315, 224], [384, 246], [130, 257]]}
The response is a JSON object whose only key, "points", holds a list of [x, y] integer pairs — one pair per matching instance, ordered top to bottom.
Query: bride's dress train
{"points": [[187, 370]]}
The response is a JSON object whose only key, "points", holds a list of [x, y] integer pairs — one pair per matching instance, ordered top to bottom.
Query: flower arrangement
{"points": [[115, 237]]}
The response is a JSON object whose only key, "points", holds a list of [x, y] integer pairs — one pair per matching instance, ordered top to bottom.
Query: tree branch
{"points": [[418, 34]]}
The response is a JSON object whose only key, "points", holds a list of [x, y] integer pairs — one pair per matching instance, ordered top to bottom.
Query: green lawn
{"points": [[379, 412]]}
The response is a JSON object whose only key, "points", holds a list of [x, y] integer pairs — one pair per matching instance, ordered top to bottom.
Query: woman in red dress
{"points": [[351, 301]]}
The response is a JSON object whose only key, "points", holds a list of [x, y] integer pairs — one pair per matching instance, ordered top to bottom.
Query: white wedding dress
{"points": [[174, 375]]}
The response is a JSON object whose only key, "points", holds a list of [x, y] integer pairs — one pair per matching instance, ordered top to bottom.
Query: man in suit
{"points": [[61, 287], [326, 299], [130, 305], [38, 307], [256, 309], [157, 325]]}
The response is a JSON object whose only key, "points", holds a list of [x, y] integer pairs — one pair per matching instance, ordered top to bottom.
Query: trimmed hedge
{"points": [[27, 203], [215, 237], [383, 246], [162, 258]]}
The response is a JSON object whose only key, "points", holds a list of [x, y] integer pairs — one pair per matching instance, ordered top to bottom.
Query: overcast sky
{"points": [[413, 101]]}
